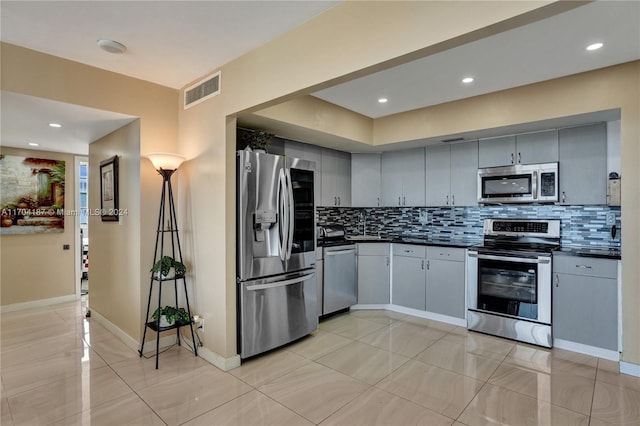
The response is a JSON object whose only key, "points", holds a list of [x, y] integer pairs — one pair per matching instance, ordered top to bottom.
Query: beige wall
{"points": [[32, 73], [115, 246], [35, 267]]}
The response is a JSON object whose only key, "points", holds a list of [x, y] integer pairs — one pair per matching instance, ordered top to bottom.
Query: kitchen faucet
{"points": [[363, 219]]}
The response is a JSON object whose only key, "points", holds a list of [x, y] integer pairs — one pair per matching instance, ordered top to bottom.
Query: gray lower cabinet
{"points": [[374, 273], [409, 276], [445, 290], [585, 301]]}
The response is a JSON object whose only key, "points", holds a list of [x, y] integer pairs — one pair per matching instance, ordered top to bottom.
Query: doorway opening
{"points": [[83, 204]]}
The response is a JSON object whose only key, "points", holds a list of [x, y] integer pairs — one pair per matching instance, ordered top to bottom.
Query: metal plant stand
{"points": [[167, 230]]}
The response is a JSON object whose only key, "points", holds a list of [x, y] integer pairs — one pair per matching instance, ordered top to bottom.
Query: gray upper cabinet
{"points": [[537, 147], [526, 148], [495, 152], [312, 153], [583, 164], [452, 174], [438, 175], [336, 178], [403, 178], [365, 180]]}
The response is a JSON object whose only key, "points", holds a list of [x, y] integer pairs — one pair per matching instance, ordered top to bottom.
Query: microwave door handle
{"points": [[534, 184], [291, 213]]}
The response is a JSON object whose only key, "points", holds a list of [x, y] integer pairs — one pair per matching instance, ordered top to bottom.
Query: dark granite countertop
{"points": [[423, 241], [584, 251]]}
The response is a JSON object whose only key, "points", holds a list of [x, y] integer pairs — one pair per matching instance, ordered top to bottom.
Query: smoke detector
{"points": [[111, 46]]}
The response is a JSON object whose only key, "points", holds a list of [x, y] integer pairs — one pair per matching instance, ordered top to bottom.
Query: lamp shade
{"points": [[165, 160]]}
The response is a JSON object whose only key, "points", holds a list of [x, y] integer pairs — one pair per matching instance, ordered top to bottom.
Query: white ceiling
{"points": [[168, 42], [175, 42], [551, 48], [25, 119]]}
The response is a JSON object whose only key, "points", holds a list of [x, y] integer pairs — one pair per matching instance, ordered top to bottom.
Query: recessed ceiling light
{"points": [[111, 46], [594, 46], [467, 80], [383, 100], [56, 125], [33, 144]]}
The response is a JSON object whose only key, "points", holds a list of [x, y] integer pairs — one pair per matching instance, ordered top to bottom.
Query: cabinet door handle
{"points": [[512, 158], [519, 158], [564, 196], [447, 200], [453, 200], [335, 201], [378, 201], [404, 201], [339, 202], [399, 203], [445, 254], [387, 260], [422, 264], [428, 264], [583, 266], [556, 280]]}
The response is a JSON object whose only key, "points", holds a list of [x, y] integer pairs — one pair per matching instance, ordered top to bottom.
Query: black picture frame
{"points": [[109, 190]]}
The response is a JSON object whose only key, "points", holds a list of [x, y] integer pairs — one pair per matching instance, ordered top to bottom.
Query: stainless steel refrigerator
{"points": [[275, 251]]}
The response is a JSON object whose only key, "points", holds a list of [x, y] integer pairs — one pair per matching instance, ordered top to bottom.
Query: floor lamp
{"points": [[166, 164]]}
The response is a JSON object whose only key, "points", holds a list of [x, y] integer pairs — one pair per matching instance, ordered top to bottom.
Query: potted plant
{"points": [[257, 140], [163, 266], [167, 316]]}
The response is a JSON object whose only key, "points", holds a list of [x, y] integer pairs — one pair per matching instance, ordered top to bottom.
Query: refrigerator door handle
{"points": [[291, 213], [283, 227], [280, 283]]}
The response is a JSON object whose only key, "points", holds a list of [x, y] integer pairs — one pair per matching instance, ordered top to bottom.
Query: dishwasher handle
{"points": [[339, 252]]}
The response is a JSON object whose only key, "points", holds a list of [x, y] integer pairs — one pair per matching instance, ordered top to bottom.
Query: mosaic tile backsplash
{"points": [[580, 225]]}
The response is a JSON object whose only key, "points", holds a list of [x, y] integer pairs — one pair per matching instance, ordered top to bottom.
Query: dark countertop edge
{"points": [[439, 243], [582, 251]]}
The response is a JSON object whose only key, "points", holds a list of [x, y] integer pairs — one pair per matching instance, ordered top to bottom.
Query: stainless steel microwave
{"points": [[520, 183]]}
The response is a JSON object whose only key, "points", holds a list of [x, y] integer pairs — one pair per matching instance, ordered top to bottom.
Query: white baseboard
{"points": [[38, 303], [370, 307], [416, 313], [128, 340], [586, 349], [211, 357], [224, 364], [629, 368]]}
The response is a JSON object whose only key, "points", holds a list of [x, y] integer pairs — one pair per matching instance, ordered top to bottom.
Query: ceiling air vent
{"points": [[202, 90], [452, 140]]}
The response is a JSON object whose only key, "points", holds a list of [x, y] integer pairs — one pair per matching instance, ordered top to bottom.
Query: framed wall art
{"points": [[109, 190], [32, 195]]}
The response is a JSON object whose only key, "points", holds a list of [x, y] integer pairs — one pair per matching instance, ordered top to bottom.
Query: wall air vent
{"points": [[202, 90], [452, 140]]}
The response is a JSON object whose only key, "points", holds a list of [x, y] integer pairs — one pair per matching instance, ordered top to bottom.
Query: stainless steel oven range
{"points": [[509, 280]]}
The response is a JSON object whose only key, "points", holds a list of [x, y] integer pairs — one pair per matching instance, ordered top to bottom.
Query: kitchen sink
{"points": [[363, 238]]}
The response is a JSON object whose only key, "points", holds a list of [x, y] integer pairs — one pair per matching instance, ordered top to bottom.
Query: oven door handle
{"points": [[510, 259]]}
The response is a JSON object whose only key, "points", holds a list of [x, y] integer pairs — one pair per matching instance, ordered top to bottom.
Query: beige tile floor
{"points": [[360, 368]]}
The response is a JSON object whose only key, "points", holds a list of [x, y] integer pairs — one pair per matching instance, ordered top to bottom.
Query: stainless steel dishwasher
{"points": [[340, 278]]}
